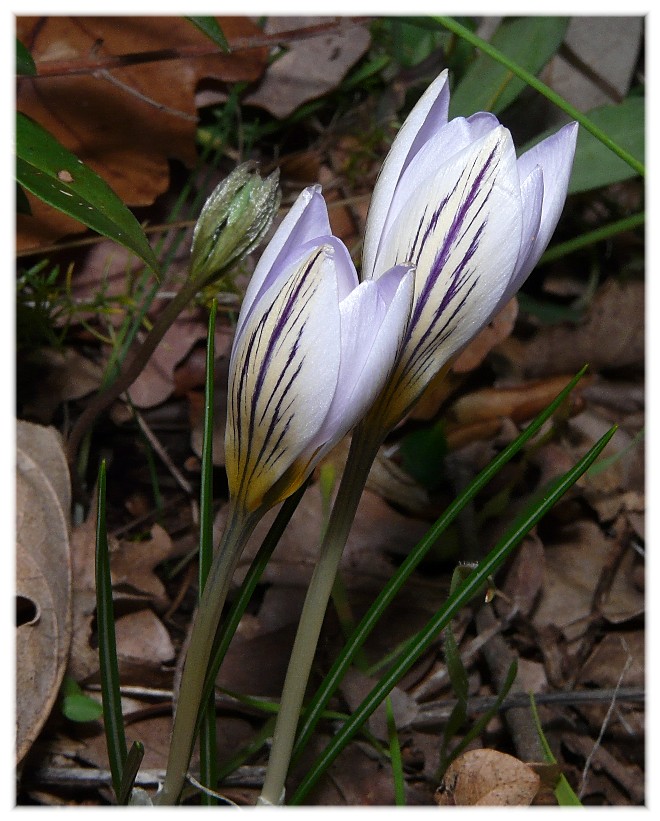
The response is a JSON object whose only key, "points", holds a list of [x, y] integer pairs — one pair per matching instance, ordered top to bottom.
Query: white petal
{"points": [[426, 118], [456, 136], [555, 156], [306, 220], [462, 231], [373, 322], [283, 376]]}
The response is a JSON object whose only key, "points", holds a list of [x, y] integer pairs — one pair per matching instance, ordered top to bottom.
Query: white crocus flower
{"points": [[453, 201], [313, 349]]}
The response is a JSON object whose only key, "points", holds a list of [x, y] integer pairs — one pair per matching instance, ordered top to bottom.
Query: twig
{"points": [[59, 68], [155, 443], [434, 714], [606, 720]]}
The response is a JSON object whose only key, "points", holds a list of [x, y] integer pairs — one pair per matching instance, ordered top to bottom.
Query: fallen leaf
{"points": [[309, 68], [125, 118], [612, 336], [49, 377], [573, 568], [43, 589], [142, 637], [488, 778]]}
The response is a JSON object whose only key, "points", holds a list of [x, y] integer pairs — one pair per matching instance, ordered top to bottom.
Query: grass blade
{"points": [[461, 31], [465, 592], [387, 595], [113, 719], [395, 756], [563, 791]]}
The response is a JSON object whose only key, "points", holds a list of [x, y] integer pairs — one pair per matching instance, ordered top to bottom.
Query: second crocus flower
{"points": [[453, 200], [313, 348]]}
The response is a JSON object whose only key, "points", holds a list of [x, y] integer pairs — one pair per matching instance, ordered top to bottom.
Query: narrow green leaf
{"points": [[211, 28], [24, 63], [532, 81], [490, 86], [59, 178], [562, 249], [465, 592], [387, 595], [228, 628], [109, 669], [477, 728], [395, 756], [131, 767], [564, 793]]}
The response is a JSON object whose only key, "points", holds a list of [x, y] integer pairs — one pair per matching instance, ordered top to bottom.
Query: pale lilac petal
{"points": [[427, 117], [455, 137], [555, 157], [307, 220], [462, 231], [373, 322], [283, 377]]}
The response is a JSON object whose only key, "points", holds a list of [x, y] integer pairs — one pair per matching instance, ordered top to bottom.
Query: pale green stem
{"points": [[364, 448], [237, 531]]}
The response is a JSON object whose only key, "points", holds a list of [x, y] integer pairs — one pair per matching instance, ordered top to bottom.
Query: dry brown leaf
{"points": [[309, 68], [124, 118], [612, 336], [56, 376], [518, 402], [46, 449], [378, 532], [133, 564], [573, 569], [43, 589], [143, 640], [488, 778]]}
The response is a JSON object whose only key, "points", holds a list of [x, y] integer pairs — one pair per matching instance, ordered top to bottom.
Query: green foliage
{"points": [[211, 28], [24, 63], [490, 86], [596, 166], [55, 175], [423, 451], [76, 706], [563, 791]]}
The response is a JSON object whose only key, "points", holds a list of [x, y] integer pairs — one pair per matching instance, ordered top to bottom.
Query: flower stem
{"points": [[364, 448], [237, 531]]}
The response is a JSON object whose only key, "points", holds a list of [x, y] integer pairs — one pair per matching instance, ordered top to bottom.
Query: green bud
{"points": [[233, 221]]}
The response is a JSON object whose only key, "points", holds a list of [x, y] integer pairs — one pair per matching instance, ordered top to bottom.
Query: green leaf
{"points": [[211, 28], [24, 63], [490, 86], [594, 165], [56, 176], [388, 593], [420, 642], [109, 668], [76, 706], [563, 791]]}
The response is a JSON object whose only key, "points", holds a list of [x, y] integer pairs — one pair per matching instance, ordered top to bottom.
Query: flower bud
{"points": [[233, 221]]}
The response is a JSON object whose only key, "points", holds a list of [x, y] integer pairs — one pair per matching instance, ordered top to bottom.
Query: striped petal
{"points": [[426, 118], [306, 221], [461, 229], [283, 376]]}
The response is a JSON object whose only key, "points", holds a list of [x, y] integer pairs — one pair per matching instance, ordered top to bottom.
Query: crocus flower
{"points": [[453, 200], [313, 348]]}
